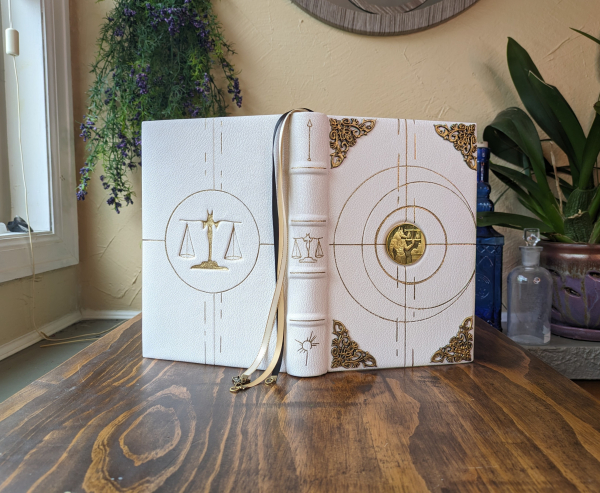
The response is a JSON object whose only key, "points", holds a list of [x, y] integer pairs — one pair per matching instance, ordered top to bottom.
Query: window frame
{"points": [[59, 247]]}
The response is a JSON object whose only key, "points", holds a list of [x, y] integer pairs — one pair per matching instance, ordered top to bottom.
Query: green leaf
{"points": [[586, 35], [520, 65], [565, 115], [517, 126], [503, 147], [590, 153], [521, 180], [564, 185], [566, 189], [527, 200], [579, 201], [595, 205], [548, 206], [535, 209], [515, 221], [579, 227], [595, 236], [559, 238]]}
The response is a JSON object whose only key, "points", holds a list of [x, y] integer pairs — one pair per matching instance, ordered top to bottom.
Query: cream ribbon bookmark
{"points": [[243, 382]]}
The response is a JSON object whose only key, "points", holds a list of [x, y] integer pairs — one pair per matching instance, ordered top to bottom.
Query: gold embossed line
{"points": [[309, 125]]}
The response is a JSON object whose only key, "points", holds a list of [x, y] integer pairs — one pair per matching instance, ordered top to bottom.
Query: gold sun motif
{"points": [[307, 345]]}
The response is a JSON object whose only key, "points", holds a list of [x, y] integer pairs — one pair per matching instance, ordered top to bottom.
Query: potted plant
{"points": [[565, 200]]}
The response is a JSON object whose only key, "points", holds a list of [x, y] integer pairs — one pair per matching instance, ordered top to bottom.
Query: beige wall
{"points": [[456, 71], [56, 296]]}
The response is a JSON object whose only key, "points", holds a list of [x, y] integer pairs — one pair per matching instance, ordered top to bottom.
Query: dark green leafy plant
{"points": [[155, 61], [573, 216]]}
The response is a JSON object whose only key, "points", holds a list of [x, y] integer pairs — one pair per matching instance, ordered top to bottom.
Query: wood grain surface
{"points": [[361, 22], [108, 420]]}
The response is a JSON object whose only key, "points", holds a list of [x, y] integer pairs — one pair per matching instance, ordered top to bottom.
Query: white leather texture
{"points": [[192, 169], [402, 171], [212, 177]]}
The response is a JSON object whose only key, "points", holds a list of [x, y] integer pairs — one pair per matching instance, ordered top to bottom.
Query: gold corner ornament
{"points": [[344, 134], [464, 140], [460, 346], [346, 352]]}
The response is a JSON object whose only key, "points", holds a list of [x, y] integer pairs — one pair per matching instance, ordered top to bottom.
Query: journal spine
{"points": [[307, 336]]}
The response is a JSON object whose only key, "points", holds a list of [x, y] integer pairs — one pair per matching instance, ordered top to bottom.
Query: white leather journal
{"points": [[381, 245]]}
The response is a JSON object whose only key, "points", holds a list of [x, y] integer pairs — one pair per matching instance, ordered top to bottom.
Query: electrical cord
{"points": [[12, 49]]}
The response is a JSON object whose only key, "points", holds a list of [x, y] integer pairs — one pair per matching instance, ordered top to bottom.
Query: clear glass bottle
{"points": [[529, 295]]}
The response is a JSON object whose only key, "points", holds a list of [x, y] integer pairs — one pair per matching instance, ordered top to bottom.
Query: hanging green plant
{"points": [[155, 61]]}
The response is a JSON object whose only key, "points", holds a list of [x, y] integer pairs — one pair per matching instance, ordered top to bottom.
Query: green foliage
{"points": [[156, 60], [512, 136]]}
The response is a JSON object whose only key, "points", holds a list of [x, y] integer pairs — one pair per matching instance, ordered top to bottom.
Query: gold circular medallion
{"points": [[405, 244]]}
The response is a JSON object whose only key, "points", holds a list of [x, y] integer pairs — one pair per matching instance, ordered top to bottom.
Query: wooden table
{"points": [[108, 420]]}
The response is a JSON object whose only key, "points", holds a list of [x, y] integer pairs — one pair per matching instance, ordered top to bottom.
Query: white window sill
{"points": [[57, 248], [50, 250]]}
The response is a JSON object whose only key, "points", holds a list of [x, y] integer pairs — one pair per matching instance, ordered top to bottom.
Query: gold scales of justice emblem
{"points": [[405, 244], [186, 250], [308, 258]]}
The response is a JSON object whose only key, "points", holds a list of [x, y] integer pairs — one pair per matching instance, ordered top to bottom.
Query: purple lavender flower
{"points": [[128, 12], [142, 82], [234, 88], [86, 128], [123, 141], [81, 194]]}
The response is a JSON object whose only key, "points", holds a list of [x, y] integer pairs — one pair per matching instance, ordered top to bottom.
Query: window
{"points": [[47, 132]]}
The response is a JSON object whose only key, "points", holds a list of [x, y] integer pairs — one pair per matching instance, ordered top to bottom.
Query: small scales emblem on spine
{"points": [[186, 250], [308, 259]]}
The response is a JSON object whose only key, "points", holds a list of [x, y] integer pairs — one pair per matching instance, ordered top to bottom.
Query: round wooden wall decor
{"points": [[384, 17]]}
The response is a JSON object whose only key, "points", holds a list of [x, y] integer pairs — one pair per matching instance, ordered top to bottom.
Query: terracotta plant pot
{"points": [[575, 269]]}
